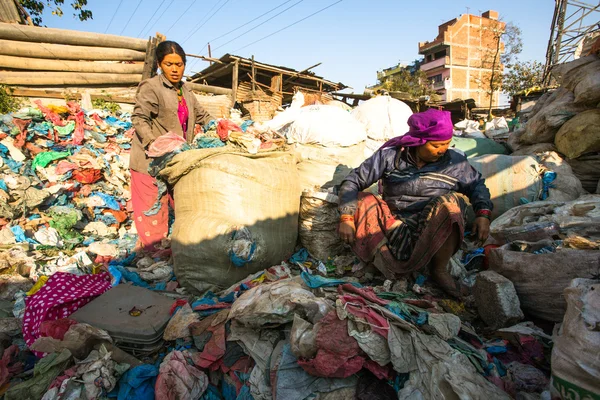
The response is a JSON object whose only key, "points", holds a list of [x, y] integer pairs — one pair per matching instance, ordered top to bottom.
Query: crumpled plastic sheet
{"points": [[178, 379], [138, 383]]}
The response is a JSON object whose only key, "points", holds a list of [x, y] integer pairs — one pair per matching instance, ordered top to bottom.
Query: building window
{"points": [[439, 54], [436, 78]]}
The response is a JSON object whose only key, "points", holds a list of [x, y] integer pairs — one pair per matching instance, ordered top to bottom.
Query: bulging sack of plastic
{"points": [[582, 77], [558, 109], [286, 117], [383, 117], [325, 125], [496, 127], [580, 135], [325, 167], [587, 170], [509, 179], [566, 186], [236, 214], [319, 219], [545, 219], [540, 279], [575, 362]]}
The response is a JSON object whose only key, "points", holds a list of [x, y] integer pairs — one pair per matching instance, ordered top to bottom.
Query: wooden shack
{"points": [[259, 88]]}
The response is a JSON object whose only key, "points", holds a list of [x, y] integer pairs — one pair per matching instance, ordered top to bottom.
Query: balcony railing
{"points": [[440, 62]]}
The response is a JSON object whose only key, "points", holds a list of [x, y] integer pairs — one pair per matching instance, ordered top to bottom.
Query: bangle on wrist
{"points": [[346, 217]]}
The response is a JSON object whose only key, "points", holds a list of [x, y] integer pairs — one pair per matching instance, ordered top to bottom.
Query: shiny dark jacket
{"points": [[407, 189]]}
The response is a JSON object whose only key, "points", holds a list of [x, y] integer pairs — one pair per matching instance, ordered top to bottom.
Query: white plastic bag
{"points": [[383, 117], [327, 126]]}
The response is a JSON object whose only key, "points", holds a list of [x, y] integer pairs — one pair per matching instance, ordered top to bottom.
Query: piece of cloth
{"points": [[155, 113], [183, 115], [427, 126], [165, 144], [407, 188], [151, 229], [414, 240], [62, 295], [56, 329], [214, 349], [338, 352], [9, 364], [44, 373], [178, 379], [138, 383], [294, 383]]}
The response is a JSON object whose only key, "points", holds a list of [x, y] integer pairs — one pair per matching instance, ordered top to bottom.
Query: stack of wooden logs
{"points": [[36, 56]]}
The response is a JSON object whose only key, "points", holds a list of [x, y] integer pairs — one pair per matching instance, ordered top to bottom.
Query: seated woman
{"points": [[419, 221]]}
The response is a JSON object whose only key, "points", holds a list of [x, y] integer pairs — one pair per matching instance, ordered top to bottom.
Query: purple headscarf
{"points": [[430, 125]]}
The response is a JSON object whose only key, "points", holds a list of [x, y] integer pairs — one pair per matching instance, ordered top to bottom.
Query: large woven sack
{"points": [[582, 77], [558, 109], [383, 117], [325, 125], [580, 135], [474, 147], [324, 167], [587, 170], [509, 179], [566, 186], [230, 204], [319, 218], [543, 219], [541, 278], [575, 361]]}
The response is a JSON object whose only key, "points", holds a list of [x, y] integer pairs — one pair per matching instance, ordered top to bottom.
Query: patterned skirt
{"points": [[412, 240]]}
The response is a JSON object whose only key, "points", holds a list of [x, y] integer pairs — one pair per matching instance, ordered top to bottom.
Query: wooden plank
{"points": [[9, 12], [65, 36], [68, 52], [150, 59], [209, 59], [40, 64], [296, 75], [253, 77], [20, 78], [234, 81], [208, 89], [60, 94]]}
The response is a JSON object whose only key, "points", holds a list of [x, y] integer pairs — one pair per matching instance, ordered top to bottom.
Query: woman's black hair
{"points": [[169, 47]]}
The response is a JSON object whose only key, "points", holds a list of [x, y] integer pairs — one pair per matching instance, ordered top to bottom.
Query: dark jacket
{"points": [[155, 113], [407, 189]]}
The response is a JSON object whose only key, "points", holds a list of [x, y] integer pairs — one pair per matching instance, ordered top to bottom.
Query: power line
{"points": [[182, 14], [113, 17], [152, 17], [159, 17], [129, 20], [204, 23], [262, 23], [241, 26], [289, 26]]}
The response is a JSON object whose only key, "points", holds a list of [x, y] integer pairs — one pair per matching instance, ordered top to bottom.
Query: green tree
{"points": [[35, 8], [502, 44], [522, 76], [415, 84]]}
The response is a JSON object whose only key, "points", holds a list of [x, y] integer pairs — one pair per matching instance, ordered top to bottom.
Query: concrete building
{"points": [[457, 60]]}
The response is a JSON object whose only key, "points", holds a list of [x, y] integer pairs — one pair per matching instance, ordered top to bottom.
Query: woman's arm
{"points": [[145, 109], [369, 172], [472, 185]]}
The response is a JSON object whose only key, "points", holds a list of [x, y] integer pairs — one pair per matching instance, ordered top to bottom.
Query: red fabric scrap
{"points": [[74, 107], [50, 115], [21, 124], [224, 127], [79, 133], [3, 136], [165, 144], [33, 149], [64, 166], [87, 175], [120, 216], [366, 293], [61, 296], [178, 303], [217, 306], [358, 306], [56, 329], [214, 350], [337, 354], [9, 366], [381, 372]]}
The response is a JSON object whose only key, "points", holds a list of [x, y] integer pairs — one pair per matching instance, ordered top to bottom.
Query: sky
{"points": [[352, 39]]}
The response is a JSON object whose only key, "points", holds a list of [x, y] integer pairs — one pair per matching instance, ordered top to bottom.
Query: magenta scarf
{"points": [[183, 114], [428, 126]]}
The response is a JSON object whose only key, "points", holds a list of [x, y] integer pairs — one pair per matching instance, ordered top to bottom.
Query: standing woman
{"points": [[162, 104]]}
